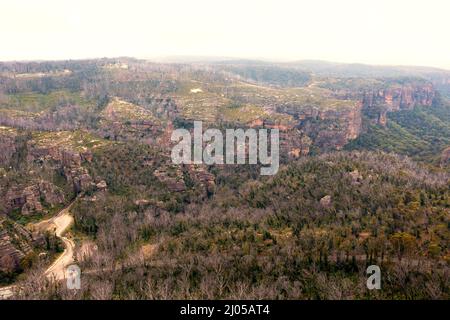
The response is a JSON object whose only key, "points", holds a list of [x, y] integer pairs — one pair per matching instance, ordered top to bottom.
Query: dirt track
{"points": [[61, 223], [58, 224]]}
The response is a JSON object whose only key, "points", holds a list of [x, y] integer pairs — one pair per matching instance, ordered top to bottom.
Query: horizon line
{"points": [[218, 58]]}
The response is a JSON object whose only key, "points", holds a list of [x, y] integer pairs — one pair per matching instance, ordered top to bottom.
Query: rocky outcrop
{"points": [[389, 96], [400, 97], [378, 102], [382, 118], [122, 120], [333, 125], [333, 128], [65, 157], [70, 158], [69, 161], [356, 177], [79, 178], [172, 178], [175, 178], [49, 193], [35, 196], [29, 199], [32, 201], [142, 202], [325, 202], [15, 244]]}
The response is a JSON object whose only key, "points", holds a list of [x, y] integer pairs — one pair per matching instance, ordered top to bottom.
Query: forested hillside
{"points": [[422, 133], [363, 179]]}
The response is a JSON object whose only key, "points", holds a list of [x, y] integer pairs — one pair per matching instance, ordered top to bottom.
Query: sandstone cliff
{"points": [[390, 96], [399, 97], [332, 128], [61, 152], [66, 159], [31, 198], [15, 244]]}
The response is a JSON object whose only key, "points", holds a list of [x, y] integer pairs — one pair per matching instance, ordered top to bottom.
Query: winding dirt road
{"points": [[59, 224]]}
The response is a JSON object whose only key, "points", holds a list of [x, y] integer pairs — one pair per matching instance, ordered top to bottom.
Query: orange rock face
{"points": [[400, 97]]}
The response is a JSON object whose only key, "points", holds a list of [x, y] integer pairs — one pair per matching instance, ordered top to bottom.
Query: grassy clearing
{"points": [[36, 102], [119, 110], [244, 114], [75, 140]]}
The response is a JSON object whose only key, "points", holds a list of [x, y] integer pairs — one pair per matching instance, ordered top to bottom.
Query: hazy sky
{"points": [[378, 32]]}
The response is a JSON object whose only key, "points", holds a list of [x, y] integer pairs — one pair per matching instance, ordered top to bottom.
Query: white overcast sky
{"points": [[377, 31]]}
